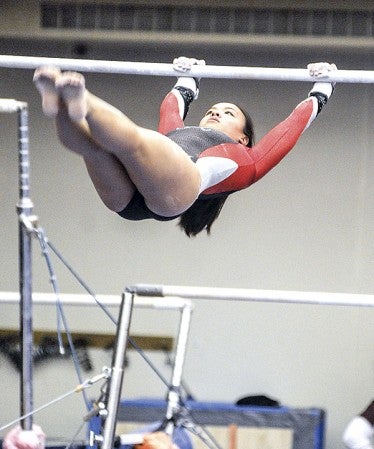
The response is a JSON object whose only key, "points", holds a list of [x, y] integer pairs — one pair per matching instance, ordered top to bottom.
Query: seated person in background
{"points": [[360, 430], [154, 437], [17, 438], [157, 440]]}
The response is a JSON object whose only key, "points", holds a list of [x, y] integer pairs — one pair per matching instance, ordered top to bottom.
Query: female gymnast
{"points": [[177, 171]]}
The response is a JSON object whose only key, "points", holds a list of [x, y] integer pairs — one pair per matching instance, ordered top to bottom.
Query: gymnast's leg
{"points": [[160, 169], [108, 175]]}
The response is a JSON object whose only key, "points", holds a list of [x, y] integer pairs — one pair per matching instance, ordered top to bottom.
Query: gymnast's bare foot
{"points": [[44, 79], [72, 88]]}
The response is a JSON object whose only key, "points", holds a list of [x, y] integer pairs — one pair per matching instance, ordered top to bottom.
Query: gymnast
{"points": [[177, 171]]}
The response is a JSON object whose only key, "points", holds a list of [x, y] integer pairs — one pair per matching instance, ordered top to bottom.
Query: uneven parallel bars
{"points": [[162, 69], [238, 294], [87, 300]]}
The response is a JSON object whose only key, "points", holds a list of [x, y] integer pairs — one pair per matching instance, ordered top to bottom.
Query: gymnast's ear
{"points": [[244, 140]]}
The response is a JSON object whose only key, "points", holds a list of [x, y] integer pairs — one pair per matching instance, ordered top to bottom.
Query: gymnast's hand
{"points": [[183, 64], [321, 69], [323, 87]]}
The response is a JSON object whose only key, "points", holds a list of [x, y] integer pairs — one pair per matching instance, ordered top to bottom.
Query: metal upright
{"points": [[24, 210], [117, 371]]}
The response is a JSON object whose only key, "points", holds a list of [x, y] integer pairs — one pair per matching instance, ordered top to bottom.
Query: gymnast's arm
{"points": [[174, 107], [277, 143]]}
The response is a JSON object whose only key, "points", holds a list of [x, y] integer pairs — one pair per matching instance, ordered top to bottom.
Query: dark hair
{"points": [[248, 127], [204, 212], [201, 215]]}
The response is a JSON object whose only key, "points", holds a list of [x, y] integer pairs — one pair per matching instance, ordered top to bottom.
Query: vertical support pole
{"points": [[24, 208], [117, 371], [173, 398]]}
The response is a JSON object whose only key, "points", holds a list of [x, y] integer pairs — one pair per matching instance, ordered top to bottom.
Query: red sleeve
{"points": [[170, 117], [277, 143], [253, 163]]}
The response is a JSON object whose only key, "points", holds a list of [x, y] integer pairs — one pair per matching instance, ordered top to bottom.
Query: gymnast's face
{"points": [[227, 118]]}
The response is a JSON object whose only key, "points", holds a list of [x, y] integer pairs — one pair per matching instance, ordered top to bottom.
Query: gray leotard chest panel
{"points": [[194, 140]]}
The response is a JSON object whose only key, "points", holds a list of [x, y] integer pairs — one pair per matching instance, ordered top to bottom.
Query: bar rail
{"points": [[163, 69], [241, 294], [87, 300]]}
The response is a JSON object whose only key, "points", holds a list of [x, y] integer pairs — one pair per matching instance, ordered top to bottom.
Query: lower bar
{"points": [[237, 294], [88, 301]]}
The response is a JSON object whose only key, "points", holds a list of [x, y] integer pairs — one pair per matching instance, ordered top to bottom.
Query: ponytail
{"points": [[201, 215]]}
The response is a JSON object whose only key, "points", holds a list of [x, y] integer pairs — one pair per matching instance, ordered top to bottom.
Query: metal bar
{"points": [[162, 69], [10, 106], [24, 208], [237, 294], [89, 301], [117, 371], [173, 398]]}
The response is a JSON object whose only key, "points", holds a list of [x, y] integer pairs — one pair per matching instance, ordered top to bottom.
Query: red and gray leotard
{"points": [[233, 165], [247, 165]]}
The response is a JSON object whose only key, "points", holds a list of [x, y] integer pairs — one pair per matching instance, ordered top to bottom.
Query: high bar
{"points": [[163, 69], [239, 294]]}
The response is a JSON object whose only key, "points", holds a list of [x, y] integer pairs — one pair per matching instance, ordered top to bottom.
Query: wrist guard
{"points": [[322, 91], [187, 95], [321, 98]]}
